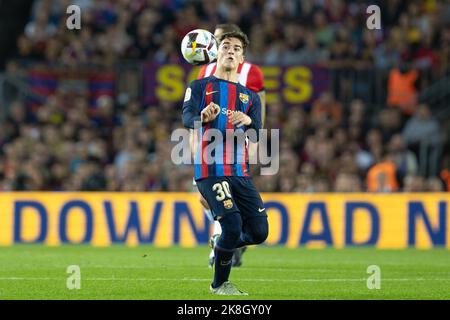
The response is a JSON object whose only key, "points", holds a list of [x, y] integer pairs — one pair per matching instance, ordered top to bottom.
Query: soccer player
{"points": [[250, 76], [219, 102]]}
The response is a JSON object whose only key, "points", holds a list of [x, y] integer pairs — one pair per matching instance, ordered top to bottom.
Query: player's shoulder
{"points": [[254, 78]]}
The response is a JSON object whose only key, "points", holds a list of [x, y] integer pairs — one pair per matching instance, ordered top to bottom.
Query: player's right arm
{"points": [[193, 107], [191, 114]]}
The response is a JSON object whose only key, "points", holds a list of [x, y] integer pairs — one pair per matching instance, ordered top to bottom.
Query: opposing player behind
{"points": [[251, 77], [220, 102]]}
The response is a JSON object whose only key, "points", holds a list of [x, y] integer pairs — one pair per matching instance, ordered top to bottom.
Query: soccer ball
{"points": [[199, 47]]}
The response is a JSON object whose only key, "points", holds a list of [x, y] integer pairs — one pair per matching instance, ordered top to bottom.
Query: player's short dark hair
{"points": [[228, 27], [236, 34]]}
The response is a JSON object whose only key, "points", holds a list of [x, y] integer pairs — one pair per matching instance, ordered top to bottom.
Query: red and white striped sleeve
{"points": [[251, 77]]}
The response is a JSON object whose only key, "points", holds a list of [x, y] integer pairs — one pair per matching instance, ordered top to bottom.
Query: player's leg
{"points": [[217, 193], [255, 227], [255, 231], [224, 249]]}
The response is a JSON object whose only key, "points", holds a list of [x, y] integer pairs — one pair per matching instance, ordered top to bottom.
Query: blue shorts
{"points": [[232, 194]]}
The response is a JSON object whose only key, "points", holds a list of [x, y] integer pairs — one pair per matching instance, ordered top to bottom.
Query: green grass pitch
{"points": [[146, 272]]}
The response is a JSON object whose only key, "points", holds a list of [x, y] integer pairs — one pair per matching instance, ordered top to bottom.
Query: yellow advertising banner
{"points": [[166, 219]]}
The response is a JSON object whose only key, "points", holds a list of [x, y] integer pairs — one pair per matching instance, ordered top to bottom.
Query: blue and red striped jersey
{"points": [[231, 155]]}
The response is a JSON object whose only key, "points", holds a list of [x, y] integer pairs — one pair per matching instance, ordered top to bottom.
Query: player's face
{"points": [[231, 54]]}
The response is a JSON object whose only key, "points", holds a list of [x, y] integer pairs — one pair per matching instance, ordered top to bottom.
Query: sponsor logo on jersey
{"points": [[228, 112]]}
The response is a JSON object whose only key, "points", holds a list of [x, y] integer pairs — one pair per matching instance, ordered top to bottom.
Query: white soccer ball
{"points": [[199, 47]]}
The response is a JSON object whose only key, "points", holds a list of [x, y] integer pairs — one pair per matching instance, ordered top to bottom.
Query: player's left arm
{"points": [[255, 83], [262, 98], [254, 112], [190, 114], [253, 145]]}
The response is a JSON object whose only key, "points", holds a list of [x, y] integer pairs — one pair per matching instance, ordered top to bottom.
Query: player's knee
{"points": [[260, 232], [260, 236]]}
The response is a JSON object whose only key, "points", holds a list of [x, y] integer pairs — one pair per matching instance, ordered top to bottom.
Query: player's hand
{"points": [[210, 112], [240, 119]]}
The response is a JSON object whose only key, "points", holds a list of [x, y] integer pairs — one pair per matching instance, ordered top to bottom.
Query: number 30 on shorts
{"points": [[222, 189]]}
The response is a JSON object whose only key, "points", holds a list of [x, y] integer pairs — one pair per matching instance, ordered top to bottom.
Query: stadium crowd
{"points": [[342, 142]]}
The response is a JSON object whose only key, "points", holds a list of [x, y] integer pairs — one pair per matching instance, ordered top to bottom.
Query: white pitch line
{"points": [[208, 280]]}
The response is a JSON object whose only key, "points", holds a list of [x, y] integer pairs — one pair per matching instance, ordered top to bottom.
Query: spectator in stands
{"points": [[40, 29], [311, 53], [402, 90], [326, 111], [389, 122], [422, 134], [404, 159], [445, 176], [382, 177], [346, 182], [413, 184], [434, 184]]}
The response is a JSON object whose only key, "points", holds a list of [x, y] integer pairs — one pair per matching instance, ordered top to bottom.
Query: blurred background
{"points": [[93, 109]]}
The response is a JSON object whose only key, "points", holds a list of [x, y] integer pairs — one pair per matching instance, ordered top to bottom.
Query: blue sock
{"points": [[231, 231], [222, 266]]}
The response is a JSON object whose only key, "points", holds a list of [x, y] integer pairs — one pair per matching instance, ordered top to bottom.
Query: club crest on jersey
{"points": [[243, 97], [228, 204]]}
